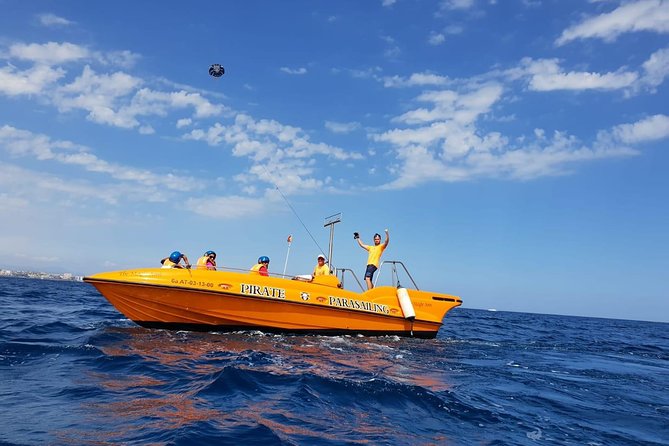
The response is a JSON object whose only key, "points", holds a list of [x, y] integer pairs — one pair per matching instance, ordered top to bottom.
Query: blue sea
{"points": [[74, 371]]}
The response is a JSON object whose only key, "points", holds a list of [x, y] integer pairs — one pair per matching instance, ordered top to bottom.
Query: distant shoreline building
{"points": [[40, 275]]}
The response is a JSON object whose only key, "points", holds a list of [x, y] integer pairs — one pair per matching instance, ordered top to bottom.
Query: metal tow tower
{"points": [[331, 221]]}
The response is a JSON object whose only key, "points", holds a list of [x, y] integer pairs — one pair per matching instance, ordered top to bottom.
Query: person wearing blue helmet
{"points": [[174, 261], [207, 261], [262, 267]]}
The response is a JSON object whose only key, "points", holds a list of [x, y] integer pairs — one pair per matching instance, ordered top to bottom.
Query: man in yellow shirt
{"points": [[374, 256], [321, 268]]}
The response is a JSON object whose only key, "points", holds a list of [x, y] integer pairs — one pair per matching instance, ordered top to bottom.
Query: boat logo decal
{"points": [[224, 286], [262, 291], [304, 296], [321, 299], [343, 302]]}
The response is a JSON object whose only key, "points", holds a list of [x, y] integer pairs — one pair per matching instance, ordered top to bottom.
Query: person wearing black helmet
{"points": [[374, 256], [174, 259], [207, 261], [261, 267]]}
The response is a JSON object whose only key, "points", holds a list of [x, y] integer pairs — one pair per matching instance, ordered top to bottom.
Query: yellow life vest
{"points": [[202, 262], [169, 264], [256, 269]]}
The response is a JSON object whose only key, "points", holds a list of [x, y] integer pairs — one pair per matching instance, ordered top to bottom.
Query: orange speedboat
{"points": [[206, 300]]}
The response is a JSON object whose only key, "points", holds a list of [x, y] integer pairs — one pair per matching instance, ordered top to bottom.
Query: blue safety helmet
{"points": [[210, 253], [175, 256], [263, 259]]}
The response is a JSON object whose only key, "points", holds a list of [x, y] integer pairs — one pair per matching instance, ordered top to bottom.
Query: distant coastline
{"points": [[40, 275]]}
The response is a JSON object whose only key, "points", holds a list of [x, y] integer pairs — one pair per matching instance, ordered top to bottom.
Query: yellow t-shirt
{"points": [[375, 252], [321, 270]]}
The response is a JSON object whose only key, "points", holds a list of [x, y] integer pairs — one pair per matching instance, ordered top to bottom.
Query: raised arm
{"points": [[356, 236], [385, 244]]}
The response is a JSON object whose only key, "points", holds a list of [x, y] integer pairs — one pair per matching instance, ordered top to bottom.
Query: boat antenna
{"points": [[292, 208]]}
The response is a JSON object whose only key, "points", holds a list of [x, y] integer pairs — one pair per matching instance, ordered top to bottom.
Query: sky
{"points": [[516, 150]]}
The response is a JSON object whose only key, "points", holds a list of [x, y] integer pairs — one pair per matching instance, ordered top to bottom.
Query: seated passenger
{"points": [[173, 261], [207, 261], [261, 267], [321, 269]]}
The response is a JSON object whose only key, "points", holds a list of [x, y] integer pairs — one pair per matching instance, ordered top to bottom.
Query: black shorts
{"points": [[371, 269]]}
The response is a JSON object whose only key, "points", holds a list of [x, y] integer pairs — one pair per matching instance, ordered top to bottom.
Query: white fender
{"points": [[405, 303]]}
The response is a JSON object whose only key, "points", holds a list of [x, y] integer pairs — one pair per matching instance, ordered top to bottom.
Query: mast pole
{"points": [[331, 221]]}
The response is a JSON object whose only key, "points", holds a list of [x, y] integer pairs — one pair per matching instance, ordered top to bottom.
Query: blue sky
{"points": [[516, 150]]}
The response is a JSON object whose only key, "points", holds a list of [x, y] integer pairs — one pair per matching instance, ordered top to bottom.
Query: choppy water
{"points": [[74, 371]]}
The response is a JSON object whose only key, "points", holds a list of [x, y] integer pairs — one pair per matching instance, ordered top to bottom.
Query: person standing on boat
{"points": [[374, 256], [173, 261], [207, 261], [262, 267], [321, 269]]}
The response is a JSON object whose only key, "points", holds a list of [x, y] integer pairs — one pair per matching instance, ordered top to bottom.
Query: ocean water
{"points": [[73, 371]]}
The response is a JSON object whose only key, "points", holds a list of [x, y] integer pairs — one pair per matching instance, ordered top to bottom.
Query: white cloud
{"points": [[388, 3], [456, 4], [644, 15], [53, 20], [436, 39], [392, 50], [50, 53], [124, 59], [656, 68], [298, 71], [547, 75], [416, 79], [35, 80], [100, 95], [116, 99], [147, 102], [450, 105], [184, 122], [342, 127], [652, 128], [146, 130], [264, 138], [21, 143], [446, 143], [272, 147], [501, 159], [27, 186], [41, 189], [10, 203], [229, 207]]}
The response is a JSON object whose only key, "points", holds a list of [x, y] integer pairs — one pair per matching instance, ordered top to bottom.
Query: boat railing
{"points": [[341, 272], [395, 276]]}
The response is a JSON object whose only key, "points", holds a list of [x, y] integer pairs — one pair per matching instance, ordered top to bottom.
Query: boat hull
{"points": [[229, 301]]}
